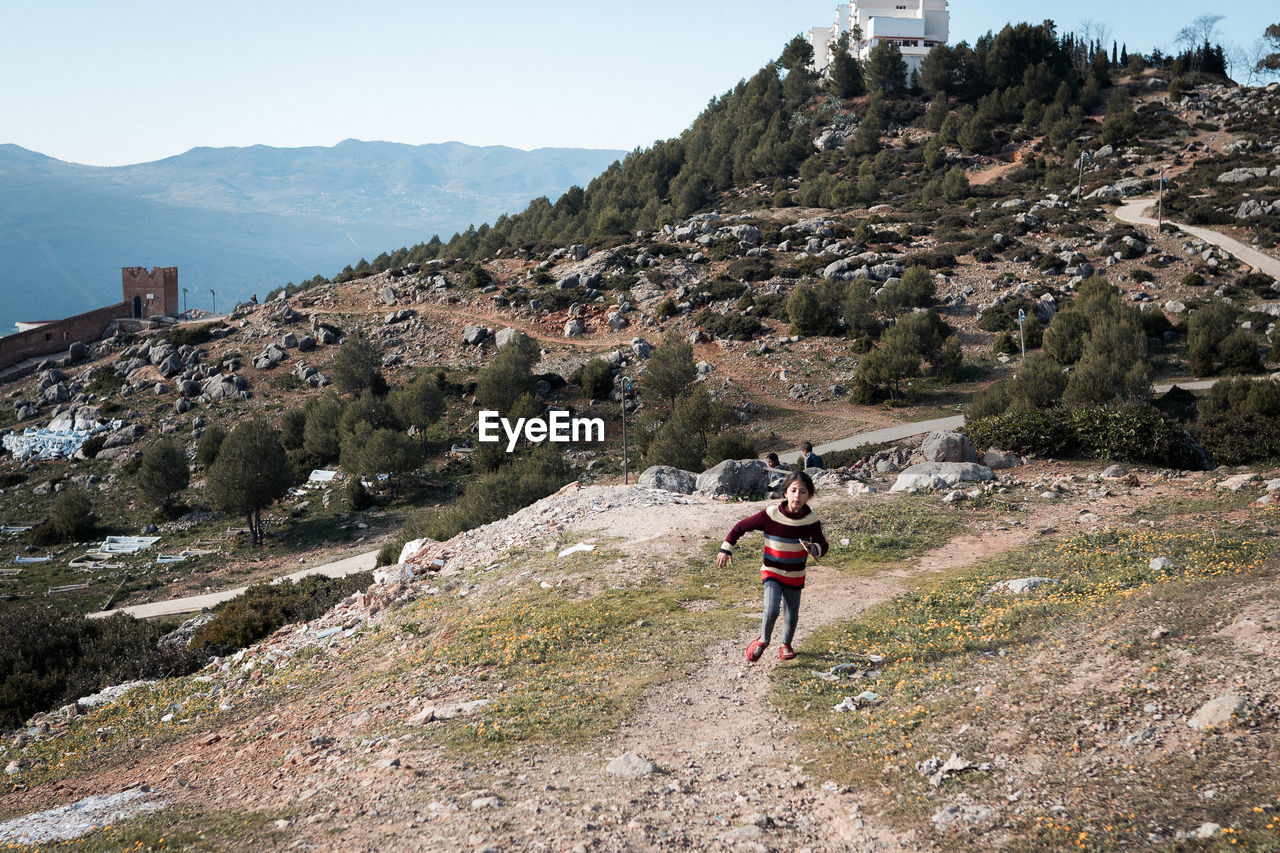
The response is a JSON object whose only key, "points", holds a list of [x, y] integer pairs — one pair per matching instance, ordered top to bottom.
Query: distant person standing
{"points": [[808, 457], [792, 534]]}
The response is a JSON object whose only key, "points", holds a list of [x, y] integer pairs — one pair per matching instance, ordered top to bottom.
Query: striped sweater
{"points": [[784, 554]]}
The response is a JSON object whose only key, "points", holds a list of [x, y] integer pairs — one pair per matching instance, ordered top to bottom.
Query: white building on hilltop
{"points": [[915, 25]]}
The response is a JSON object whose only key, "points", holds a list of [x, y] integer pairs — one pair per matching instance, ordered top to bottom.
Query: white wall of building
{"points": [[916, 26]]}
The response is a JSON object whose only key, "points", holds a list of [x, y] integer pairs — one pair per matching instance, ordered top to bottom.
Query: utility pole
{"points": [[1080, 177], [1160, 206], [215, 300], [626, 386]]}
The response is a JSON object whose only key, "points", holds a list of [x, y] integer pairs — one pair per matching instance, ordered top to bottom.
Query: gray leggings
{"points": [[777, 595]]}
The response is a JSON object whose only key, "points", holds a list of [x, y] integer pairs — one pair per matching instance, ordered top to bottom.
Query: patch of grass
{"points": [[883, 533], [568, 669], [1018, 680]]}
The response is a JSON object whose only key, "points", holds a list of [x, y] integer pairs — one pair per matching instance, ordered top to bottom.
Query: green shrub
{"points": [[750, 269], [1192, 279], [667, 308], [729, 327], [191, 334], [596, 379], [1127, 432], [1131, 432], [1039, 433], [1239, 437], [731, 444], [487, 498], [264, 607], [48, 659]]}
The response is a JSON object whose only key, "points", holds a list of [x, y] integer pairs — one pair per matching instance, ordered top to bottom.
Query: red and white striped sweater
{"points": [[784, 534]]}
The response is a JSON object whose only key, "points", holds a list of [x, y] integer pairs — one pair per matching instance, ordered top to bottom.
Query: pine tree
{"points": [[845, 74], [358, 366], [669, 371], [162, 473], [251, 473]]}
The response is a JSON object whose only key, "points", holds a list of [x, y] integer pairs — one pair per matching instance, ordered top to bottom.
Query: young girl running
{"points": [[792, 534]]}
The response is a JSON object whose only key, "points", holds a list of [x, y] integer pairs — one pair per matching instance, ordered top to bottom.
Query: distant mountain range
{"points": [[238, 221]]}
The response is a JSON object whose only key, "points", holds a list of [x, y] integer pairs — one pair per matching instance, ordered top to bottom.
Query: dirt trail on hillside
{"points": [[336, 760], [729, 776]]}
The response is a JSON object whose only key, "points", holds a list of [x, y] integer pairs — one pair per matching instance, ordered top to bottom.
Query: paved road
{"points": [[1133, 212], [893, 433], [196, 603]]}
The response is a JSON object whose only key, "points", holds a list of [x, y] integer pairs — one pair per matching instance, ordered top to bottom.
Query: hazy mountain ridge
{"points": [[243, 220]]}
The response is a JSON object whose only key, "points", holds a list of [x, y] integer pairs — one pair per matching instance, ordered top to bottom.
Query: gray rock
{"points": [[1241, 175], [1251, 208], [747, 234], [388, 295], [574, 328], [475, 335], [507, 336], [289, 341], [306, 343], [640, 347], [77, 353], [222, 386], [56, 394], [947, 446], [997, 460], [1114, 472], [940, 475], [732, 477], [668, 479], [1017, 586], [1217, 712], [1138, 737], [630, 764], [946, 816]]}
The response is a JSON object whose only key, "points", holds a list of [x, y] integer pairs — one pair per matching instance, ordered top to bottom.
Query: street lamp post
{"points": [[184, 300], [215, 300], [1022, 335]]}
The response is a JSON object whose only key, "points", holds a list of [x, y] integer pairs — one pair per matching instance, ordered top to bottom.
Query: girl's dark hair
{"points": [[798, 477]]}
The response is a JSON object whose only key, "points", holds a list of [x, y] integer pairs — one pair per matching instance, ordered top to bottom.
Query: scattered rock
{"points": [[1217, 712], [630, 764]]}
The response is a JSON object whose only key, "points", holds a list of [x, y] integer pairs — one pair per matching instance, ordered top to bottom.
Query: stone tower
{"points": [[151, 293]]}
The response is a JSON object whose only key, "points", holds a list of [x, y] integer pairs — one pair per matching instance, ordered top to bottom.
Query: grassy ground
{"points": [[1037, 679]]}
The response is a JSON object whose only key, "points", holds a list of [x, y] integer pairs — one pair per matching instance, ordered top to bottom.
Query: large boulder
{"points": [[475, 335], [222, 386], [947, 446], [941, 475], [735, 477], [668, 479]]}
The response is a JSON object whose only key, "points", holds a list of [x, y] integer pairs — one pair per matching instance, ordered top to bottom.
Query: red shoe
{"points": [[755, 649], [785, 652]]}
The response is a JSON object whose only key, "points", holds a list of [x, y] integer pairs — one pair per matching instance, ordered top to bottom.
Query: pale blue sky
{"points": [[129, 81]]}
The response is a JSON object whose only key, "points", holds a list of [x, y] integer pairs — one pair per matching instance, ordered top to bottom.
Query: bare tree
{"points": [[1197, 33], [1245, 63]]}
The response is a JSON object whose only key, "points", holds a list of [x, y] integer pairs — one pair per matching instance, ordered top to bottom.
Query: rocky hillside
{"points": [[1067, 653]]}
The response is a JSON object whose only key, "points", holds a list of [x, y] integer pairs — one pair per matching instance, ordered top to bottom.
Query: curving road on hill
{"points": [[1134, 213], [195, 603]]}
